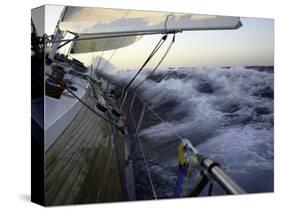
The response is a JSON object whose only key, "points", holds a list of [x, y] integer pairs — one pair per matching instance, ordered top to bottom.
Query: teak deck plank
{"points": [[65, 139], [67, 157], [75, 165], [81, 167], [74, 190]]}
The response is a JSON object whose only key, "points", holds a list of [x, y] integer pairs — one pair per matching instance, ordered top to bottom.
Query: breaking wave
{"points": [[226, 112]]}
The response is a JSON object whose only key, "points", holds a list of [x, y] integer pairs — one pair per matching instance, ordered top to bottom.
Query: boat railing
{"points": [[210, 173]]}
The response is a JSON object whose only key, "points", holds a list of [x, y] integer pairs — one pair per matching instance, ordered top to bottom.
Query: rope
{"points": [[166, 21], [156, 48], [113, 53], [163, 57], [99, 62], [107, 62], [91, 74], [84, 103], [144, 158], [192, 162], [184, 176]]}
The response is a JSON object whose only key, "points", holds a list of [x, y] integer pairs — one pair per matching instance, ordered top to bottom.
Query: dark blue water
{"points": [[227, 113]]}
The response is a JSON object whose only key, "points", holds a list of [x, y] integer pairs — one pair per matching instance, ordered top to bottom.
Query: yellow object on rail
{"points": [[181, 155]]}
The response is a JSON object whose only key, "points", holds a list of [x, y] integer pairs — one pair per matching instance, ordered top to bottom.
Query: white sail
{"points": [[112, 21], [101, 29], [85, 45]]}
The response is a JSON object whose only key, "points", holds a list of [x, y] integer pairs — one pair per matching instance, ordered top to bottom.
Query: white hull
{"points": [[60, 112]]}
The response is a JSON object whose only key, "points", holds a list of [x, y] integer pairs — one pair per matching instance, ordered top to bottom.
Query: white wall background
{"points": [[15, 105]]}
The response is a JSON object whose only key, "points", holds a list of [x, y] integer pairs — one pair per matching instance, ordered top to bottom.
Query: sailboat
{"points": [[80, 122]]}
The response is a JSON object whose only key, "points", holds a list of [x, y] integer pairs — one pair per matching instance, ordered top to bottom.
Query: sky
{"points": [[251, 44]]}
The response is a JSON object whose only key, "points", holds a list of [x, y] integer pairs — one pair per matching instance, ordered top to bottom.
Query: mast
{"points": [[58, 35]]}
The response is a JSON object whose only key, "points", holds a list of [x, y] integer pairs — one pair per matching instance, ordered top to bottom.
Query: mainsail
{"points": [[115, 24], [85, 45]]}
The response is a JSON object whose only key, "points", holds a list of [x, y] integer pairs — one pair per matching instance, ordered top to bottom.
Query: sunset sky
{"points": [[252, 44]]}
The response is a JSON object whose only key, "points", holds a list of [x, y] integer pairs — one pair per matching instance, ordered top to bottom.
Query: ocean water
{"points": [[226, 112]]}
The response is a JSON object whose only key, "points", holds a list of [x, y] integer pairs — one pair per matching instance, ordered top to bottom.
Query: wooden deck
{"points": [[81, 166]]}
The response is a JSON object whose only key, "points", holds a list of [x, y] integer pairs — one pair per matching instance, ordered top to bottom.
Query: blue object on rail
{"points": [[180, 179]]}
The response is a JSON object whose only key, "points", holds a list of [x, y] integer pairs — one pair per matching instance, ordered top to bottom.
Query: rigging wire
{"points": [[156, 48], [113, 53], [161, 60], [107, 62], [98, 63], [92, 67], [191, 147], [144, 158], [119, 164]]}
